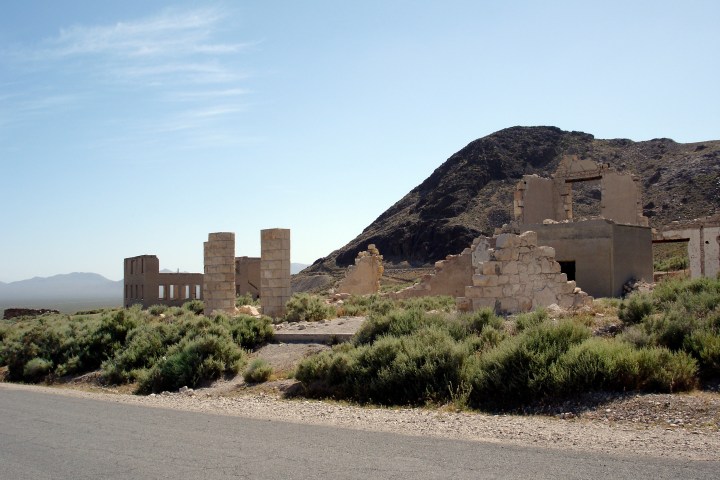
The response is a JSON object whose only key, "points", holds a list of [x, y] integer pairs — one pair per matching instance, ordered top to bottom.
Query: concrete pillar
{"points": [[274, 271], [219, 278]]}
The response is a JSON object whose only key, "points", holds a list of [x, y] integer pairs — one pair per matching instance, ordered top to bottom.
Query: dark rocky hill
{"points": [[471, 193]]}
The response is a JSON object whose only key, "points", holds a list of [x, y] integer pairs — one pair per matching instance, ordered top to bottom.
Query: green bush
{"points": [[246, 299], [363, 305], [195, 306], [303, 307], [636, 308], [157, 309], [532, 319], [249, 332], [192, 361], [36, 369], [258, 371]]}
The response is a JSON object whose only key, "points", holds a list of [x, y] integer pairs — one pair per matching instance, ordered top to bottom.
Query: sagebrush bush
{"points": [[246, 299], [363, 305], [195, 306], [304, 307], [636, 308], [157, 309], [528, 320], [250, 332], [191, 361], [36, 369], [258, 371]]}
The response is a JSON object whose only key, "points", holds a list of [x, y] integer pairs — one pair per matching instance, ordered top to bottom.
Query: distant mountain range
{"points": [[66, 292], [70, 292]]}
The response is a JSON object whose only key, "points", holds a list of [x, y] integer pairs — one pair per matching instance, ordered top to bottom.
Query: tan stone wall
{"points": [[274, 271], [247, 276], [520, 276], [451, 277], [219, 278], [363, 278]]}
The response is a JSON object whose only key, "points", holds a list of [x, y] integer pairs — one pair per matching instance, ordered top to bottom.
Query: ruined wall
{"points": [[537, 199], [703, 237], [605, 255], [274, 271], [247, 276], [519, 276], [219, 278], [363, 278], [450, 278], [146, 286]]}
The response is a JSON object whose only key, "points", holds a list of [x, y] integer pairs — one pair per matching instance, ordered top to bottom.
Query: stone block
{"points": [[528, 238], [506, 240], [545, 251], [490, 268], [510, 268], [480, 280], [479, 303], [509, 305]]}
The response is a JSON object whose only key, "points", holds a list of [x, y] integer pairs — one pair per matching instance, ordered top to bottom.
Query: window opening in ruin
{"points": [[586, 199], [671, 256], [142, 265], [568, 268], [127, 291], [161, 291], [173, 291], [197, 291], [142, 292], [187, 292]]}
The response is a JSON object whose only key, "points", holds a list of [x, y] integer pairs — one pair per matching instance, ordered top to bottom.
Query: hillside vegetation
{"points": [[668, 341]]}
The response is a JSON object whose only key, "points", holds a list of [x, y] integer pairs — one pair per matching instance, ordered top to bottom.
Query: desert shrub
{"points": [[246, 299], [441, 303], [362, 305], [195, 306], [308, 308], [636, 308], [157, 309], [531, 319], [477, 321], [395, 323], [670, 329], [249, 332], [637, 336], [705, 347], [191, 361], [520, 368], [36, 369], [409, 369], [258, 371], [665, 371]]}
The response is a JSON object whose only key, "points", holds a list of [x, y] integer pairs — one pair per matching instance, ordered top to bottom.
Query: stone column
{"points": [[274, 271], [219, 278]]}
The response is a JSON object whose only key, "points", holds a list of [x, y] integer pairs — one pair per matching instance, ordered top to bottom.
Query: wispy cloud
{"points": [[176, 65]]}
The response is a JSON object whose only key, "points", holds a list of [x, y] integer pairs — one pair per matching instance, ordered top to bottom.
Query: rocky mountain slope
{"points": [[471, 193]]}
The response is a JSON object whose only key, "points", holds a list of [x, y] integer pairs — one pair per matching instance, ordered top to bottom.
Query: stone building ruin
{"points": [[703, 243], [225, 276], [363, 278]]}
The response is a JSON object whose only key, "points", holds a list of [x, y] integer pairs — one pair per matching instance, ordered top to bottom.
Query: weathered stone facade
{"points": [[538, 199], [703, 240], [274, 271], [514, 274], [219, 278], [363, 278], [450, 278], [145, 285]]}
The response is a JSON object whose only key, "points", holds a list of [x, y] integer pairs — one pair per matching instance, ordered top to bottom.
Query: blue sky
{"points": [[139, 127]]}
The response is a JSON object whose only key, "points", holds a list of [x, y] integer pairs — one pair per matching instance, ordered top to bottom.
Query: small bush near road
{"points": [[258, 371]]}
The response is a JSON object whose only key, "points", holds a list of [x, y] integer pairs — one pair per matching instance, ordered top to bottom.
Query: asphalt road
{"points": [[44, 436]]}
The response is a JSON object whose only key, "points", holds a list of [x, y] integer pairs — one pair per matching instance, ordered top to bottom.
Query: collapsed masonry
{"points": [[703, 242], [513, 274], [225, 276], [363, 278]]}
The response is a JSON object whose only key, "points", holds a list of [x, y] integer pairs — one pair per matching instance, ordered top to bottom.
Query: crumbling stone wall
{"points": [[538, 199], [703, 238], [274, 271], [514, 274], [219, 278], [363, 278], [450, 278]]}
